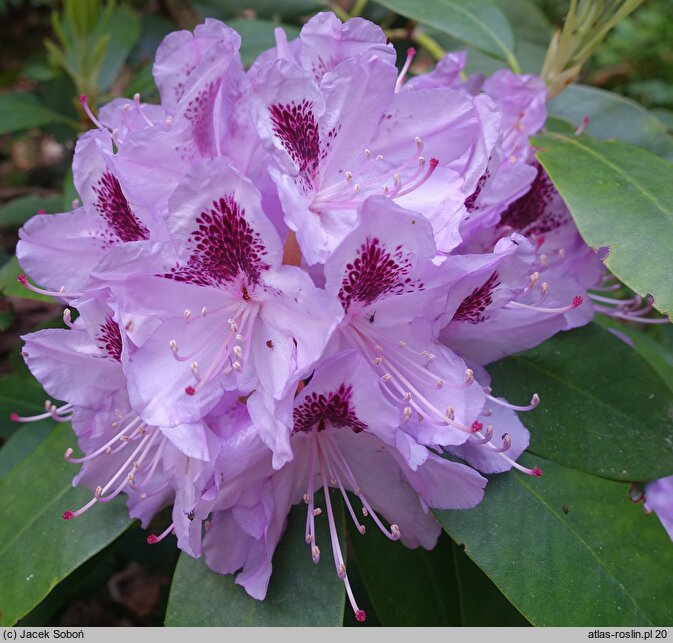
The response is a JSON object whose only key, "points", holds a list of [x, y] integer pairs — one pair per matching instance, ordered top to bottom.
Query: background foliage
{"points": [[605, 425]]}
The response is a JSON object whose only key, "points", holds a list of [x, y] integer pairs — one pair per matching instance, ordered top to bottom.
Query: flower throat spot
{"points": [[376, 272]]}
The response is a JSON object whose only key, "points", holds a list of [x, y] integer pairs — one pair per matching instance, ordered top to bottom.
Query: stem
{"points": [[358, 8], [340, 11], [586, 25], [428, 43], [513, 63]]}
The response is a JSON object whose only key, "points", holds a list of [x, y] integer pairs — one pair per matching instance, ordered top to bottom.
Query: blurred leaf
{"points": [[224, 9], [528, 21], [480, 23], [153, 29], [124, 31], [257, 36], [530, 56], [39, 70], [143, 84], [60, 95], [22, 111], [613, 116], [665, 117], [559, 125], [69, 190], [621, 197], [17, 212], [10, 287], [6, 314], [659, 356], [16, 360], [22, 395], [591, 417], [23, 442], [37, 547], [569, 549], [128, 553], [408, 587], [415, 587], [359, 591], [300, 593], [482, 604]]}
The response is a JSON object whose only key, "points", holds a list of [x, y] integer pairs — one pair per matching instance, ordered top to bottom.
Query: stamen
{"points": [[411, 52], [136, 102], [87, 110], [583, 125], [431, 168], [23, 280], [637, 300], [577, 301], [244, 316], [632, 317], [67, 318], [534, 401], [57, 413], [487, 436], [506, 444], [340, 463], [152, 469], [536, 472], [100, 491], [310, 515], [360, 527], [334, 538], [153, 540]]}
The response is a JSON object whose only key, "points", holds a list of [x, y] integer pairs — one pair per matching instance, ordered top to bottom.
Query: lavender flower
{"points": [[289, 279], [659, 498]]}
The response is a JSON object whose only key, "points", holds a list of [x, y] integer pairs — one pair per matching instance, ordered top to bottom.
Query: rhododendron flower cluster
{"points": [[288, 279]]}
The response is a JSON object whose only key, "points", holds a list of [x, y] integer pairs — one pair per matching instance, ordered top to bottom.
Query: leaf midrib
{"points": [[472, 18], [484, 27], [575, 141]]}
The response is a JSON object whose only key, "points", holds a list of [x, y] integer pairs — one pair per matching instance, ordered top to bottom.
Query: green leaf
{"points": [[480, 23], [123, 29], [257, 36], [23, 111], [612, 116], [621, 197], [17, 212], [10, 287], [603, 408], [23, 443], [37, 547], [569, 549], [407, 587], [300, 593]]}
